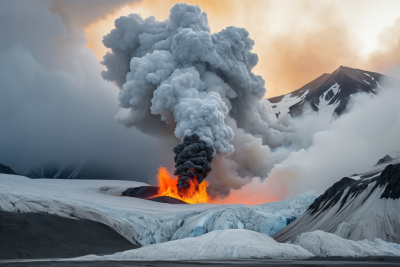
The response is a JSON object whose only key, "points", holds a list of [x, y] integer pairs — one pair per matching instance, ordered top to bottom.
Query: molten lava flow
{"points": [[196, 193]]}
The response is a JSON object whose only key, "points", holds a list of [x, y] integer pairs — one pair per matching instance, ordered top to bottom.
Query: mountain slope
{"points": [[330, 93], [6, 169], [364, 206]]}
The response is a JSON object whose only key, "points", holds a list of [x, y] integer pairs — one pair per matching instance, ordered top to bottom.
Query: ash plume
{"points": [[199, 84], [192, 161]]}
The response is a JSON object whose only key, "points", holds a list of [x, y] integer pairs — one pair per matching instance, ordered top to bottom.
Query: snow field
{"points": [[141, 221], [221, 244], [324, 244]]}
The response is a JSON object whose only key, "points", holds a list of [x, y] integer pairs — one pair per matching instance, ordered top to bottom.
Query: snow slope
{"points": [[364, 206], [141, 221], [222, 244], [324, 244]]}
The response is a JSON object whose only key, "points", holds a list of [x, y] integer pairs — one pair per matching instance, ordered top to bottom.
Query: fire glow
{"points": [[196, 193]]}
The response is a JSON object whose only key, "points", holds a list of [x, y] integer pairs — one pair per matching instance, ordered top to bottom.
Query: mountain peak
{"points": [[330, 92]]}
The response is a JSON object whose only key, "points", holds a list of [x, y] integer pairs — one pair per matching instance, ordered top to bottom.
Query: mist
{"points": [[54, 105], [349, 144]]}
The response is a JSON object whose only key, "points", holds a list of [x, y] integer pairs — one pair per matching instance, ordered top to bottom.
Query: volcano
{"points": [[329, 93]]}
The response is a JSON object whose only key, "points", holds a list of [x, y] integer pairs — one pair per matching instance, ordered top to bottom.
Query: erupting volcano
{"points": [[192, 162], [194, 193]]}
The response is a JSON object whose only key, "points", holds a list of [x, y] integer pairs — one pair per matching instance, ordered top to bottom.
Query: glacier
{"points": [[140, 221], [221, 244], [244, 244], [325, 244]]}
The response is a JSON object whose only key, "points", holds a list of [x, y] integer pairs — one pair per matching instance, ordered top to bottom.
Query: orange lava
{"points": [[197, 193]]}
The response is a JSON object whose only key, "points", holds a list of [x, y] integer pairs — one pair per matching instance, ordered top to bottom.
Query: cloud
{"points": [[54, 105], [350, 144]]}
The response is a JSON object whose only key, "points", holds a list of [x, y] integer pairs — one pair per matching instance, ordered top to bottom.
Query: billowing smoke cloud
{"points": [[195, 81]]}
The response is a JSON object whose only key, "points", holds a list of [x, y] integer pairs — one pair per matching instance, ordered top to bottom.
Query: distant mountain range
{"points": [[329, 93], [88, 170]]}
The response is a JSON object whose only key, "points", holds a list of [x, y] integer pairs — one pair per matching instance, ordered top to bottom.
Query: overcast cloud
{"points": [[54, 104]]}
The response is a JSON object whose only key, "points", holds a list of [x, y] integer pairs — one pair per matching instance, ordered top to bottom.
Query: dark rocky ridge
{"points": [[350, 80], [386, 158], [6, 169], [390, 176], [352, 207]]}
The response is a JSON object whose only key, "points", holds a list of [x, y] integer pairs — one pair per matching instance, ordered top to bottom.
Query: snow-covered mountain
{"points": [[329, 93], [362, 206]]}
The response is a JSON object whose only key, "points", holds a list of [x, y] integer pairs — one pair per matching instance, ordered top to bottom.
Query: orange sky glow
{"points": [[296, 41]]}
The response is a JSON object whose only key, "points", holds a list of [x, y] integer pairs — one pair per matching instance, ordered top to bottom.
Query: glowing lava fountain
{"points": [[196, 193]]}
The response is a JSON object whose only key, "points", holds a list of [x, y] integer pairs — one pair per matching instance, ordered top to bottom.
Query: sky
{"points": [[296, 41]]}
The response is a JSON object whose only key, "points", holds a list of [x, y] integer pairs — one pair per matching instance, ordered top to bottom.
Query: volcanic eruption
{"points": [[175, 74]]}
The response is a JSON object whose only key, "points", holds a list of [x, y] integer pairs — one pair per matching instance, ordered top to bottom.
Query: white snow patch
{"points": [[369, 76], [366, 82], [282, 107], [325, 109], [223, 244]]}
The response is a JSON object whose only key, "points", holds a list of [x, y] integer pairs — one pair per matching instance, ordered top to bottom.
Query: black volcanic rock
{"points": [[350, 81], [386, 158], [6, 169], [391, 178], [141, 192], [148, 193], [165, 199]]}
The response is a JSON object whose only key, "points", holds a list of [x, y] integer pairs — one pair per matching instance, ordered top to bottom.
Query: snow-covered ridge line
{"points": [[366, 208], [141, 221]]}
